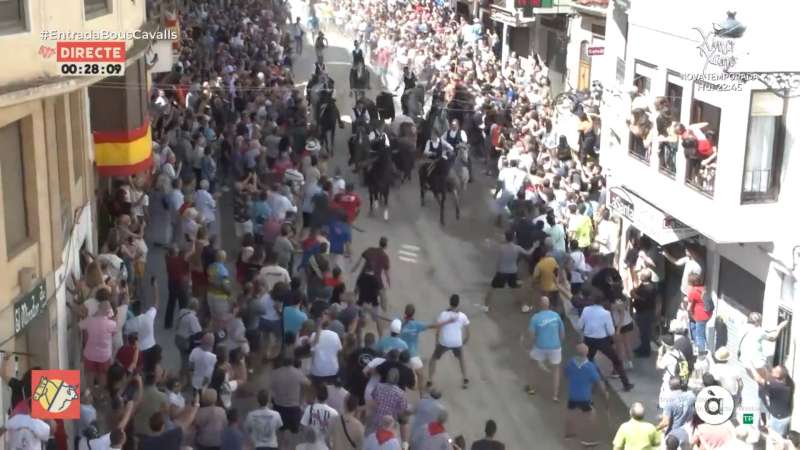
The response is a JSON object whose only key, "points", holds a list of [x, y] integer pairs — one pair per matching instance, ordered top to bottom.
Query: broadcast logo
{"points": [[56, 394], [714, 405]]}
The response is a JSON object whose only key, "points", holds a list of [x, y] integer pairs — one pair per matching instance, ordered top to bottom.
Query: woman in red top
{"points": [[697, 312]]}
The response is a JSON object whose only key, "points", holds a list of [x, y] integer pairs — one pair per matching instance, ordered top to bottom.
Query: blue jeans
{"points": [[699, 334], [780, 426]]}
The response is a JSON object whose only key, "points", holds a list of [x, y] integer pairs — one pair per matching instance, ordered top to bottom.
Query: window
{"points": [[95, 8], [12, 16], [675, 96], [77, 123], [766, 134], [62, 153], [701, 169], [12, 172], [739, 287], [783, 345]]}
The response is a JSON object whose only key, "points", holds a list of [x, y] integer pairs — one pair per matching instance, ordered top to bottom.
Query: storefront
{"points": [[513, 30], [550, 41], [639, 218]]}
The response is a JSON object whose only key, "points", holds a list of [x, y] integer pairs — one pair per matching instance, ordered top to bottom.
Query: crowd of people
{"points": [[229, 122]]}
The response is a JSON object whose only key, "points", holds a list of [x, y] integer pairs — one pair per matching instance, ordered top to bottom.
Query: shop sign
{"points": [[596, 51], [653, 222], [30, 306]]}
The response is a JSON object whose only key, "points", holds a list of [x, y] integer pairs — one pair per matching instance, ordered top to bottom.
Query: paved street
{"points": [[430, 262]]}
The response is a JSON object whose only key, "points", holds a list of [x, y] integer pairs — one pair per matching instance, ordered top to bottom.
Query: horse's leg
{"points": [[333, 140], [422, 188], [442, 199], [457, 202], [386, 204]]}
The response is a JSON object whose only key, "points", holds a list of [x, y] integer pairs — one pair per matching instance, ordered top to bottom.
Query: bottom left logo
{"points": [[56, 394]]}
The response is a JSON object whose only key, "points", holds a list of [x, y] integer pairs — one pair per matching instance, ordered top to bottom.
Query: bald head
{"points": [[545, 302], [582, 350], [637, 411], [387, 422]]}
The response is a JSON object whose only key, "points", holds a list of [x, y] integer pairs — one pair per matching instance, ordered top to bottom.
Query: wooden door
{"points": [[584, 68]]}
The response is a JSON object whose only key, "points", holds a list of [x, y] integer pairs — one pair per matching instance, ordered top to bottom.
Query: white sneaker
{"points": [[526, 308], [629, 365]]}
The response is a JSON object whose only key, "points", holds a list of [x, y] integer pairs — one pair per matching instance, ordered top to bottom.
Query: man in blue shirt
{"points": [[340, 238], [293, 319], [547, 330], [410, 331], [393, 341], [582, 375]]}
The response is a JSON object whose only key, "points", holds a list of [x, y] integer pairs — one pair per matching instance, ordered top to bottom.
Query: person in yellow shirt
{"points": [[580, 226], [545, 278], [636, 434]]}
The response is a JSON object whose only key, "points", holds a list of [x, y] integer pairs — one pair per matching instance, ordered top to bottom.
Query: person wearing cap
{"points": [[393, 340], [728, 374]]}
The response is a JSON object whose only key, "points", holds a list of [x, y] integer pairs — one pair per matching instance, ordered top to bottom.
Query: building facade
{"points": [[50, 167], [737, 206]]}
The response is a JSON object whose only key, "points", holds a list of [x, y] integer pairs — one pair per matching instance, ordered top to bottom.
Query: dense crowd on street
{"points": [[229, 124]]}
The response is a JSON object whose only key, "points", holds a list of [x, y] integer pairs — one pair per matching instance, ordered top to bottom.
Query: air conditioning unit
{"points": [[27, 278]]}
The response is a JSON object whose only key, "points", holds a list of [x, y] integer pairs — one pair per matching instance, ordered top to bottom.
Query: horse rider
{"points": [[319, 46], [358, 54], [359, 80], [409, 80], [360, 115], [455, 136], [378, 139], [437, 148]]}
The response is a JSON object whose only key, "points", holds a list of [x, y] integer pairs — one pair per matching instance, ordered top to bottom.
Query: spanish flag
{"points": [[123, 153]]}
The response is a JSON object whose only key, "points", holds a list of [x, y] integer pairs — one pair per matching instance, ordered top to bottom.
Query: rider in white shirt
{"points": [[437, 147]]}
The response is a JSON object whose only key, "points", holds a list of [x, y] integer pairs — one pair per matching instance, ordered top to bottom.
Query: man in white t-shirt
{"points": [[273, 274], [143, 323], [451, 337], [325, 348], [202, 361], [318, 416], [262, 424]]}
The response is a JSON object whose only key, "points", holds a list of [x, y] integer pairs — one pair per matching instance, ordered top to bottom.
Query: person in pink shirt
{"points": [[97, 352], [709, 437]]}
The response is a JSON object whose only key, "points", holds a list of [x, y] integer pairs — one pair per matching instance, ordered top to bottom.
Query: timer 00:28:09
{"points": [[91, 69]]}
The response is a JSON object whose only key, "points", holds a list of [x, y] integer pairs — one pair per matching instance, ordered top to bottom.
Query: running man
{"points": [[377, 258], [547, 333]]}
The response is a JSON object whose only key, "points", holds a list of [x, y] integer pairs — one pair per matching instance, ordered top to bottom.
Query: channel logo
{"points": [[56, 394], [714, 405]]}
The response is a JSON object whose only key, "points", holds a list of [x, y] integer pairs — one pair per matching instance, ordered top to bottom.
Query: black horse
{"points": [[359, 81], [328, 119], [404, 150], [380, 176], [443, 179]]}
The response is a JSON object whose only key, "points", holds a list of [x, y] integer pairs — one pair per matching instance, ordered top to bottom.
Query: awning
{"points": [[655, 223]]}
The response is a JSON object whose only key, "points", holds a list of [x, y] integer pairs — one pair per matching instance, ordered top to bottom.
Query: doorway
{"points": [[584, 68]]}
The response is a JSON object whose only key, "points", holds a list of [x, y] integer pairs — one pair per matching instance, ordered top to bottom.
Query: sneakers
{"points": [[526, 309], [465, 384], [628, 387], [530, 390]]}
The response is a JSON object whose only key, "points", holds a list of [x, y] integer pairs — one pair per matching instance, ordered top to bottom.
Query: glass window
{"points": [[94, 8], [12, 16], [765, 140], [700, 148], [12, 172]]}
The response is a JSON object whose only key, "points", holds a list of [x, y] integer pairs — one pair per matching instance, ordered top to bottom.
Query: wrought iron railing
{"points": [[758, 185]]}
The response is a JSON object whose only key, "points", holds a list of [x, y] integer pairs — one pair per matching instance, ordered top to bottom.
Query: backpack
{"points": [[708, 302], [682, 370]]}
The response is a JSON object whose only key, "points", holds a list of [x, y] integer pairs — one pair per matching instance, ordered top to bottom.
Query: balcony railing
{"points": [[638, 149], [667, 154], [701, 177], [758, 186]]}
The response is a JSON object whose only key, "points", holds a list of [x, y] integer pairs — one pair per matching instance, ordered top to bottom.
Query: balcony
{"points": [[759, 186]]}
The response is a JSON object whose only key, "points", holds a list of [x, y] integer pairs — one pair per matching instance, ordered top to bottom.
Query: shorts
{"points": [[242, 228], [139, 268], [502, 280], [272, 327], [626, 328], [441, 350], [553, 356], [416, 363], [95, 367], [331, 379], [583, 406], [290, 416]]}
